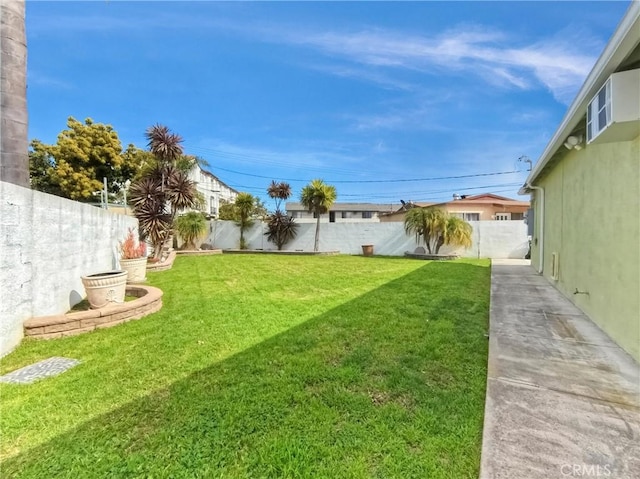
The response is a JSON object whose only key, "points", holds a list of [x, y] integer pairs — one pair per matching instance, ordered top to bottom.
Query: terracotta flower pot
{"points": [[367, 250], [137, 269], [104, 289]]}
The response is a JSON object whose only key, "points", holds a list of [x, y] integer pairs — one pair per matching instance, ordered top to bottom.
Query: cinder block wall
{"points": [[491, 239], [46, 244]]}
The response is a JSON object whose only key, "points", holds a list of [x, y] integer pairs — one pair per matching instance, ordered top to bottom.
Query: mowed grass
{"points": [[267, 367]]}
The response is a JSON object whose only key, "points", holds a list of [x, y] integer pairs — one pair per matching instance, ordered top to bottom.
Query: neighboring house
{"points": [[213, 190], [586, 193], [484, 207], [342, 212]]}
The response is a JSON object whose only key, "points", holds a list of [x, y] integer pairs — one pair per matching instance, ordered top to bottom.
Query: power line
{"points": [[244, 158], [403, 180], [409, 193], [413, 195]]}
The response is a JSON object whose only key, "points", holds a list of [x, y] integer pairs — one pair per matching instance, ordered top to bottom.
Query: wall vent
{"points": [[555, 266]]}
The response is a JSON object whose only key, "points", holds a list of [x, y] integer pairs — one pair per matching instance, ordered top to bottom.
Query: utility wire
{"points": [[403, 180]]}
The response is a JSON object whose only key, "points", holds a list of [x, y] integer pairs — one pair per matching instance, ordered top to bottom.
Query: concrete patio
{"points": [[563, 400]]}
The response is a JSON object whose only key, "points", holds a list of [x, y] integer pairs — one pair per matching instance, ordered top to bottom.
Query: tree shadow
{"points": [[390, 384]]}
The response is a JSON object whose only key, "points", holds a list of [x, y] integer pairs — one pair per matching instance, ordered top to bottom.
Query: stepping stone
{"points": [[43, 369]]}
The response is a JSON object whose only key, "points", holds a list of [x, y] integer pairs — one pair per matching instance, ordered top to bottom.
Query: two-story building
{"points": [[213, 189]]}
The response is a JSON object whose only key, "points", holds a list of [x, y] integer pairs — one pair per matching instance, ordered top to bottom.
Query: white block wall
{"points": [[491, 239], [46, 244]]}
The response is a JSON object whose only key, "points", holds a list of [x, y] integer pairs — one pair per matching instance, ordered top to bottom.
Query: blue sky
{"points": [[351, 92]]}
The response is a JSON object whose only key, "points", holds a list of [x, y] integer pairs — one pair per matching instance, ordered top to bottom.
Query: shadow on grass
{"points": [[390, 384]]}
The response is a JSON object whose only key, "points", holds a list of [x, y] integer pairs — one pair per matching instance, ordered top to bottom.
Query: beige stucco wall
{"points": [[487, 211], [592, 220]]}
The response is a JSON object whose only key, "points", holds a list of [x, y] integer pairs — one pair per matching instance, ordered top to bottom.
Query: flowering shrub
{"points": [[130, 248]]}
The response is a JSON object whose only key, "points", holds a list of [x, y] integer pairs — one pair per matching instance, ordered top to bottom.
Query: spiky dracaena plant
{"points": [[165, 145], [163, 190], [279, 192], [280, 228]]}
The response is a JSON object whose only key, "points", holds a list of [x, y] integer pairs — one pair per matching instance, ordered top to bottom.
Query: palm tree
{"points": [[14, 146], [161, 188], [318, 197], [245, 205], [190, 227], [435, 227], [457, 233]]}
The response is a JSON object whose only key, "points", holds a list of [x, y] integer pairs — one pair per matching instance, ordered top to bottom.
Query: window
{"points": [[599, 112], [344, 214], [367, 215], [471, 216], [503, 216], [517, 216]]}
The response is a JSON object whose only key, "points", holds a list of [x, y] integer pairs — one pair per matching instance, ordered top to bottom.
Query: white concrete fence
{"points": [[491, 239], [46, 244]]}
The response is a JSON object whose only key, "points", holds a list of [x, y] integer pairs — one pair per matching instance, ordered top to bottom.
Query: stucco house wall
{"points": [[585, 190], [592, 223]]}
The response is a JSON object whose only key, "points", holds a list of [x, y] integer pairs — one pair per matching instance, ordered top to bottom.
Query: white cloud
{"points": [[560, 63], [37, 78]]}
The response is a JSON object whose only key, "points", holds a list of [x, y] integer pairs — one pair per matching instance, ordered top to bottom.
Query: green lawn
{"points": [[267, 366]]}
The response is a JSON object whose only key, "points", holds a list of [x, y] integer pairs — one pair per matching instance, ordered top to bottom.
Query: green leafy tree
{"points": [[84, 154], [136, 163], [41, 166], [164, 190], [317, 197], [245, 207], [259, 209], [227, 211], [191, 226], [281, 228], [435, 228]]}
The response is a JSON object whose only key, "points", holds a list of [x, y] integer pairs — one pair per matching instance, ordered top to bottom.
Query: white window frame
{"points": [[595, 124], [503, 216]]}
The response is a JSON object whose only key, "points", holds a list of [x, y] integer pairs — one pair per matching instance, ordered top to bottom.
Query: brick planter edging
{"points": [[195, 252], [281, 252], [432, 257], [165, 265], [69, 324]]}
